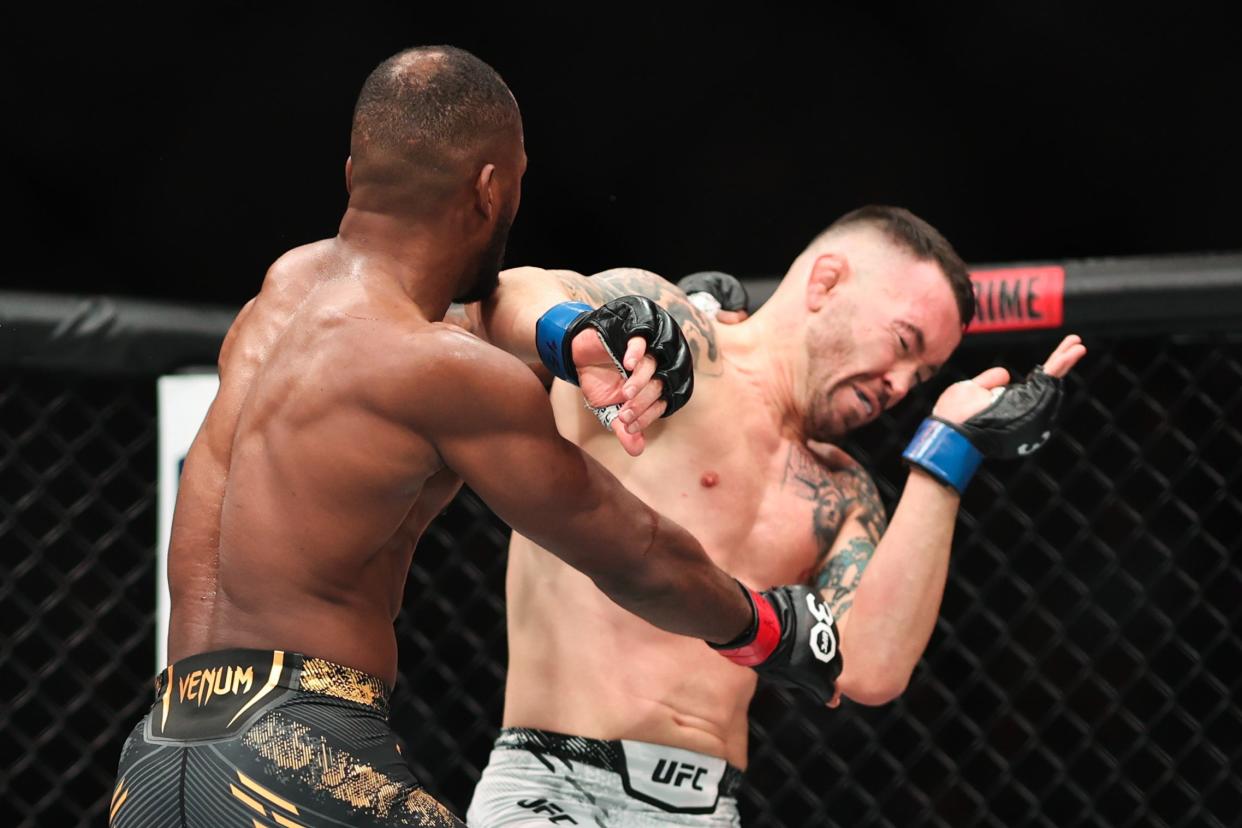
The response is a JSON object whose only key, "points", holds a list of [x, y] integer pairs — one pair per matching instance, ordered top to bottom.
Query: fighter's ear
{"points": [[349, 174], [486, 191], [826, 273]]}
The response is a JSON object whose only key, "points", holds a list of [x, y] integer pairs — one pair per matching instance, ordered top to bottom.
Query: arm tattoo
{"points": [[700, 332], [840, 496], [840, 574]]}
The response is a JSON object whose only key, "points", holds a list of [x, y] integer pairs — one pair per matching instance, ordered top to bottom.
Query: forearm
{"points": [[507, 318], [491, 423], [581, 513], [674, 585], [898, 598]]}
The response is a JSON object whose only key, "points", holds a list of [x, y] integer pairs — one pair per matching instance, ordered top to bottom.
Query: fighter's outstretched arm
{"points": [[509, 319], [491, 422], [885, 585]]}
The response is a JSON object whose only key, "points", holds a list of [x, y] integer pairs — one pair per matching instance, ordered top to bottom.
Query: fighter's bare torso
{"points": [[304, 493], [763, 506]]}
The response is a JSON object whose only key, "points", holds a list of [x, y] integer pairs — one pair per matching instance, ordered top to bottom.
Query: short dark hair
{"points": [[430, 102], [920, 239]]}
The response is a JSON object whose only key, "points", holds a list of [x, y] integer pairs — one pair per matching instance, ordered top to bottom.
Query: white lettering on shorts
{"points": [[670, 778], [545, 806]]}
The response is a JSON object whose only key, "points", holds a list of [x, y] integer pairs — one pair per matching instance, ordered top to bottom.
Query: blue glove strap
{"points": [[550, 337], [943, 452]]}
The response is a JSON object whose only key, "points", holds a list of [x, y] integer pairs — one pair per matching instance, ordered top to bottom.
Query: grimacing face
{"points": [[879, 334]]}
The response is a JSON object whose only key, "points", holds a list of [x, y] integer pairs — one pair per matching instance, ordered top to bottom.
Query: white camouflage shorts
{"points": [[536, 778]]}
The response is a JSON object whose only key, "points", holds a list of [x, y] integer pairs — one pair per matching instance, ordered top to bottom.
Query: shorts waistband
{"points": [[232, 671], [607, 754]]}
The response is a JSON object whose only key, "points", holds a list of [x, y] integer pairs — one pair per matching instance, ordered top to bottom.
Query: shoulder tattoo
{"points": [[700, 332], [839, 496]]}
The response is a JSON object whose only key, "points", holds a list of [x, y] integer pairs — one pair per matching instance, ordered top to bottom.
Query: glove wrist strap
{"points": [[550, 332], [944, 453], [759, 640]]}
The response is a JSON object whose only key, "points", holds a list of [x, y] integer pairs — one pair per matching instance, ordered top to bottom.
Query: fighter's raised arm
{"points": [[656, 379], [491, 423], [885, 581]]}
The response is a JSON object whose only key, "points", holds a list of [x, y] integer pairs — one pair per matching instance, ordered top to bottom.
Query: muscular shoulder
{"points": [[285, 286], [441, 376]]}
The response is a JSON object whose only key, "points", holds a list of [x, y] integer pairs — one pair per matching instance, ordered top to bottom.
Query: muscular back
{"points": [[304, 492]]}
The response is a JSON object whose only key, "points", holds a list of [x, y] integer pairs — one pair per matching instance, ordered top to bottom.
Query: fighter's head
{"points": [[437, 134], [885, 299]]}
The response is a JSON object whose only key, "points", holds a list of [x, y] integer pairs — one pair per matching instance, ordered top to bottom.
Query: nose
{"points": [[896, 385]]}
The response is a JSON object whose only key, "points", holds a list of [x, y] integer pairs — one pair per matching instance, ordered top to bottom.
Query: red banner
{"points": [[1018, 299]]}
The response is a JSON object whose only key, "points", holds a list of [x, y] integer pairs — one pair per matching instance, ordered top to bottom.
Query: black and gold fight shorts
{"points": [[261, 738]]}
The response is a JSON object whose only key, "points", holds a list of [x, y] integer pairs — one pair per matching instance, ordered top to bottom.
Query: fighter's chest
{"points": [[766, 516]]}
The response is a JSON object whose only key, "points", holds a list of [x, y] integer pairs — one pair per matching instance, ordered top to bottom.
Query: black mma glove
{"points": [[711, 291], [616, 322], [1016, 424], [792, 641]]}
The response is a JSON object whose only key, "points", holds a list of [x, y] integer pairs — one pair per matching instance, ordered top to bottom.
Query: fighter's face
{"points": [[883, 333]]}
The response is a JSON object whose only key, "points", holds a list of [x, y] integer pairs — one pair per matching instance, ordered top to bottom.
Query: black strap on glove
{"points": [[793, 641]]}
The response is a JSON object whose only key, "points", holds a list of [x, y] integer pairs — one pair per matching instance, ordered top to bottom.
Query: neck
{"points": [[409, 253], [764, 355]]}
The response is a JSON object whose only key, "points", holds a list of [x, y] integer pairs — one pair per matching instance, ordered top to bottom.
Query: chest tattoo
{"points": [[837, 495]]}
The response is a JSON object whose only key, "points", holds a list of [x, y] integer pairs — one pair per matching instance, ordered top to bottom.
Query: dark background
{"points": [[175, 150], [1087, 664]]}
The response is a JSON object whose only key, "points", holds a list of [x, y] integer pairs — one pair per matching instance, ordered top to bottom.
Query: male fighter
{"points": [[873, 306], [347, 416]]}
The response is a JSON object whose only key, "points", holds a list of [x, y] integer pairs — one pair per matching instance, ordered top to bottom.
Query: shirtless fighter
{"points": [[348, 415], [658, 736]]}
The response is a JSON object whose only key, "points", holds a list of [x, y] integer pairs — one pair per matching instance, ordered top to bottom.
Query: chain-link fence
{"points": [[1085, 670]]}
